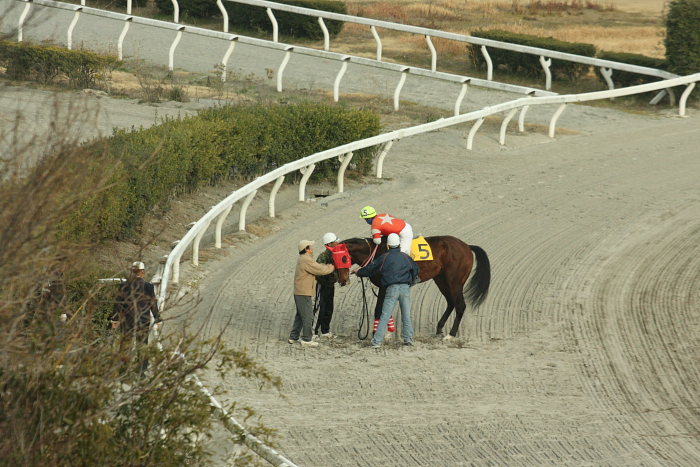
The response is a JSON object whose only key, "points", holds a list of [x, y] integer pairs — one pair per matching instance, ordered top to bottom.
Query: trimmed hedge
{"points": [[255, 18], [291, 24], [683, 36], [26, 61], [520, 63], [625, 78], [156, 164]]}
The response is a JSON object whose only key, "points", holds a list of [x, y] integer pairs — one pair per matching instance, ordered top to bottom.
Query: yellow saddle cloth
{"points": [[420, 250]]}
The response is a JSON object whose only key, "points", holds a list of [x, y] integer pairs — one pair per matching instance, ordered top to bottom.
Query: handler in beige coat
{"points": [[304, 289]]}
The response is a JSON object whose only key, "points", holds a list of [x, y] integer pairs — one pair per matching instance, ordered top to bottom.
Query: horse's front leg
{"points": [[379, 305]]}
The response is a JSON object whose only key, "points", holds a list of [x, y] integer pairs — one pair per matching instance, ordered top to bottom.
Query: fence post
{"points": [[176, 11], [224, 13], [22, 17], [76, 17], [275, 27], [122, 36], [326, 36], [378, 41], [433, 53], [171, 54], [227, 56], [489, 63], [546, 63], [283, 65], [336, 83], [397, 91], [684, 97], [460, 98], [555, 117], [504, 126], [472, 132], [382, 155], [344, 161], [306, 172], [273, 195], [244, 209], [219, 226], [195, 245]]}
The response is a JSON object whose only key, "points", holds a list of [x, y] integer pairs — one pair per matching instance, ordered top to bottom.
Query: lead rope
{"points": [[364, 315]]}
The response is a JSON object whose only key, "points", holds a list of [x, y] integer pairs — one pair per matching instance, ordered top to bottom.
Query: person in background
{"points": [[398, 272], [304, 288], [326, 288], [135, 303]]}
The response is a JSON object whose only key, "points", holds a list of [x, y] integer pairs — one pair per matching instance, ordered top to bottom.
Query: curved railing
{"points": [[220, 212]]}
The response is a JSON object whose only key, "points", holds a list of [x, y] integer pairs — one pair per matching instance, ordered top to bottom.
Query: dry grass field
{"points": [[617, 26]]}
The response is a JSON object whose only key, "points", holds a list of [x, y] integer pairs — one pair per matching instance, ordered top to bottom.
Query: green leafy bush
{"points": [[193, 8], [291, 24], [683, 36], [46, 63], [528, 64], [625, 78], [153, 165]]}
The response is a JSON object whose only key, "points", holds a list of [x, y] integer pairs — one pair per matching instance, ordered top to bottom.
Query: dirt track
{"points": [[586, 351]]}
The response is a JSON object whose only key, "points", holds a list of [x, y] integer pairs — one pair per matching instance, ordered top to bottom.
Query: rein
{"points": [[364, 316]]}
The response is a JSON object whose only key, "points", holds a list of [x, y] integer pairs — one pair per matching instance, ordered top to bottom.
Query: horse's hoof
{"points": [[448, 337]]}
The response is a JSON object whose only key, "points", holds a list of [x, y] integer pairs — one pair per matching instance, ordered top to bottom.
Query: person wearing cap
{"points": [[384, 224], [399, 272], [304, 288], [325, 290], [135, 303]]}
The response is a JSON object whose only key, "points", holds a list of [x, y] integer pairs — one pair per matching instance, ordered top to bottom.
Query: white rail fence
{"points": [[343, 59], [606, 67], [218, 214], [170, 273]]}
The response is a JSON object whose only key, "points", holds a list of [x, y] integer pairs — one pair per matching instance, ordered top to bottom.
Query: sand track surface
{"points": [[585, 352]]}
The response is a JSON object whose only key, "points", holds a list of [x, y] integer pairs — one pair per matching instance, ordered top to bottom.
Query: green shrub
{"points": [[193, 8], [291, 24], [683, 36], [46, 63], [528, 64], [625, 78], [153, 165]]}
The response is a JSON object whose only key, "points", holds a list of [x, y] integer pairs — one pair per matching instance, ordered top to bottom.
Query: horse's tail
{"points": [[478, 287]]}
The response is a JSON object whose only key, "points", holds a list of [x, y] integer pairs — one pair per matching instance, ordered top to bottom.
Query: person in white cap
{"points": [[398, 272], [305, 288], [325, 290], [135, 303]]}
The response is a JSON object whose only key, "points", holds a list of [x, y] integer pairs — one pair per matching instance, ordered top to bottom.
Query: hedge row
{"points": [[255, 18], [683, 37], [515, 62], [528, 64], [82, 69], [153, 165]]}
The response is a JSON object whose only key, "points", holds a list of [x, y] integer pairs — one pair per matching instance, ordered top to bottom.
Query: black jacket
{"points": [[395, 267], [135, 302]]}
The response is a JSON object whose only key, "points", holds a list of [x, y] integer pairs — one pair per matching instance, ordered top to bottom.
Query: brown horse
{"points": [[450, 268]]}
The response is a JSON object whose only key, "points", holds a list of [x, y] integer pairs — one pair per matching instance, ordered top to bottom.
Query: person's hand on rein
{"points": [[354, 268]]}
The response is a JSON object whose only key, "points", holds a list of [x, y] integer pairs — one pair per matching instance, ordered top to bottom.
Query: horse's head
{"points": [[358, 250], [341, 261]]}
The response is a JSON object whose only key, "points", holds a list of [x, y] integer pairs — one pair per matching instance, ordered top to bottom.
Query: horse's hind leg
{"points": [[445, 290], [460, 307]]}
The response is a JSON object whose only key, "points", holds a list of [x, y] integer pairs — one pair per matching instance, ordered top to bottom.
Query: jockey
{"points": [[385, 224]]}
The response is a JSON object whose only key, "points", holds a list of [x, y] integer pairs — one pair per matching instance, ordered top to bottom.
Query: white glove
{"points": [[377, 241]]}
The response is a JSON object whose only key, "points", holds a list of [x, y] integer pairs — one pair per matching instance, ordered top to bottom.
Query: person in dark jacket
{"points": [[398, 272], [326, 288], [135, 303]]}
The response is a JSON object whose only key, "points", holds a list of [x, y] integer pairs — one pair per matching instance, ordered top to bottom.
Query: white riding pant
{"points": [[406, 239]]}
